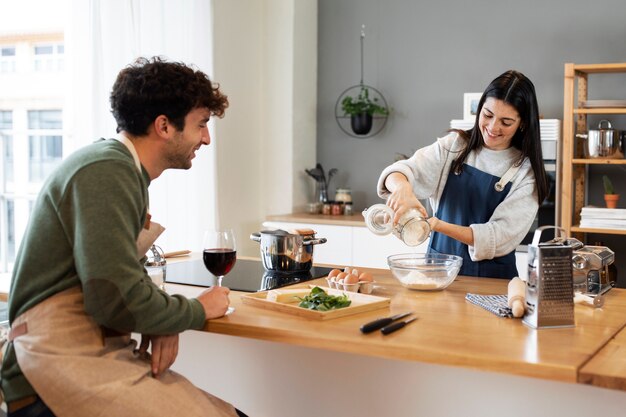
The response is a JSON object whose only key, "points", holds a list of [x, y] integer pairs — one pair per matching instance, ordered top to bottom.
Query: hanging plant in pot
{"points": [[361, 110], [610, 197]]}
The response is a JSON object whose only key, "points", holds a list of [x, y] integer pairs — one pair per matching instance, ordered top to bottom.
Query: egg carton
{"points": [[364, 287]]}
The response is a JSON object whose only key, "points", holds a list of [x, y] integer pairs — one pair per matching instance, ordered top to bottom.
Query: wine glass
{"points": [[219, 254]]}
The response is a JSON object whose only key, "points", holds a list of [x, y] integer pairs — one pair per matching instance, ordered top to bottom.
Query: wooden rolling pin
{"points": [[176, 253], [517, 296]]}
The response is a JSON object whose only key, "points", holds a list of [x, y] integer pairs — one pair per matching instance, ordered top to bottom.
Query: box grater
{"points": [[549, 288]]}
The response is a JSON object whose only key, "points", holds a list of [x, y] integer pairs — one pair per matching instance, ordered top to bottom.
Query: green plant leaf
{"points": [[362, 104], [608, 185]]}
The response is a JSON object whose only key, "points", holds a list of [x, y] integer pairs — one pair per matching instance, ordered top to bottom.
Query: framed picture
{"points": [[470, 105]]}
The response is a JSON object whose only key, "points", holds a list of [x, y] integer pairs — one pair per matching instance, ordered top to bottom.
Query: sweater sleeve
{"points": [[427, 170], [102, 210], [509, 222]]}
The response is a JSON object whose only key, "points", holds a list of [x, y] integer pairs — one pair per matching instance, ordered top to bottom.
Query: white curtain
{"points": [[104, 37]]}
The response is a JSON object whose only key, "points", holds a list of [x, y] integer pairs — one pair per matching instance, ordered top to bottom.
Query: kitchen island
{"points": [[456, 359]]}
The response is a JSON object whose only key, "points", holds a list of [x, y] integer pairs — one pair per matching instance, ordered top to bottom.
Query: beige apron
{"points": [[77, 371]]}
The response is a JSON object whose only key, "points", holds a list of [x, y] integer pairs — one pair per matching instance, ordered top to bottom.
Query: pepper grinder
{"points": [[156, 265]]}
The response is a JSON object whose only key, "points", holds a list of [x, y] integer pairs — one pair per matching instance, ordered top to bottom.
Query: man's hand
{"points": [[215, 301], [164, 351]]}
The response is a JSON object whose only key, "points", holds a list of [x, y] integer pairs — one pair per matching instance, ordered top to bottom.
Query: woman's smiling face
{"points": [[498, 123]]}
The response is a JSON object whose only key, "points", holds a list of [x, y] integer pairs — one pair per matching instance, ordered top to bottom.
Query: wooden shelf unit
{"points": [[573, 163]]}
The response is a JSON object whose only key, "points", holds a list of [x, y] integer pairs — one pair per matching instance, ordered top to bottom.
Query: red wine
{"points": [[219, 261]]}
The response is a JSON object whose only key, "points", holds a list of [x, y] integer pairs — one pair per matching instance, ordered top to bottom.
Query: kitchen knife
{"points": [[380, 323], [396, 326]]}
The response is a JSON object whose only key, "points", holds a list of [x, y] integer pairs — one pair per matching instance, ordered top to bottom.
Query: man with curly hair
{"points": [[79, 287]]}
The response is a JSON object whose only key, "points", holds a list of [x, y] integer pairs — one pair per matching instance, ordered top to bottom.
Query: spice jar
{"points": [[343, 195], [314, 208], [326, 208], [336, 208], [347, 209]]}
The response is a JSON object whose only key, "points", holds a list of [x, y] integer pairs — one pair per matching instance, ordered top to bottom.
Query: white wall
{"points": [[265, 59]]}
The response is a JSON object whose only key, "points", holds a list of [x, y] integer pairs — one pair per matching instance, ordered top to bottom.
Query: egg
{"points": [[347, 270], [355, 271], [334, 273], [340, 276], [366, 276], [351, 279]]}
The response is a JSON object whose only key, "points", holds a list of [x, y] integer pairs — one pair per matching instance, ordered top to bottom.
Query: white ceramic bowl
{"points": [[428, 272]]}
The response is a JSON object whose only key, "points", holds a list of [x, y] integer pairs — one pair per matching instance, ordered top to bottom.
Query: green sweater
{"points": [[83, 231]]}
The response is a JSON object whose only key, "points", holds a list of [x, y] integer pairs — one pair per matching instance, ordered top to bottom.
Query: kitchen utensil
{"points": [[603, 142], [412, 228], [287, 252], [176, 253], [156, 266], [591, 269], [428, 272], [549, 288], [515, 296], [596, 301], [380, 323], [396, 326]]}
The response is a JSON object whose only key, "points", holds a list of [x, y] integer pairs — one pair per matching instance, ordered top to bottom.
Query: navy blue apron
{"points": [[471, 198]]}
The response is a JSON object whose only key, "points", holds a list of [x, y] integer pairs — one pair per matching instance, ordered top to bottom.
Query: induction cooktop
{"points": [[247, 275]]}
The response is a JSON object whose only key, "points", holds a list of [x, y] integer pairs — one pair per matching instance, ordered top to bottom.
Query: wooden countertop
{"points": [[355, 219], [449, 331], [608, 367]]}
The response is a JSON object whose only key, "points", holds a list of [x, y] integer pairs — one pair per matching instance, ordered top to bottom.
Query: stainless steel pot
{"points": [[602, 143], [287, 252]]}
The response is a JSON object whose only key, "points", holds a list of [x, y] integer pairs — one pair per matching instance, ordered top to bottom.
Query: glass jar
{"points": [[343, 195], [326, 208], [336, 208], [347, 209], [412, 228]]}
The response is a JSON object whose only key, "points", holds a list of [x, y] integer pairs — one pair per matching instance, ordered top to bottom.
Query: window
{"points": [[49, 57], [7, 59], [45, 143], [6, 146], [10, 214]]}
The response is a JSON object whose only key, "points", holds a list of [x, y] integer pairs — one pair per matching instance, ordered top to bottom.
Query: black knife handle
{"points": [[375, 325], [393, 327]]}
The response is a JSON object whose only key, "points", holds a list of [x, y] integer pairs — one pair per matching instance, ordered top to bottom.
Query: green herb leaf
{"points": [[319, 300]]}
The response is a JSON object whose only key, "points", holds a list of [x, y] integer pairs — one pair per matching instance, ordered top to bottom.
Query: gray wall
{"points": [[423, 55]]}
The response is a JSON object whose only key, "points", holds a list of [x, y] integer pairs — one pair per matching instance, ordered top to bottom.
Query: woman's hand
{"points": [[402, 198], [164, 352]]}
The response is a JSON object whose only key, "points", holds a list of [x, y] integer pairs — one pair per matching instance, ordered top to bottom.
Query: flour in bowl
{"points": [[431, 280]]}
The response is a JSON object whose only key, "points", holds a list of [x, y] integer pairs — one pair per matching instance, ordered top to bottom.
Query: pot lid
{"points": [[276, 232]]}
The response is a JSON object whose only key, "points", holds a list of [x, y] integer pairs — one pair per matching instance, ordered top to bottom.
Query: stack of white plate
{"points": [[461, 124], [550, 130]]}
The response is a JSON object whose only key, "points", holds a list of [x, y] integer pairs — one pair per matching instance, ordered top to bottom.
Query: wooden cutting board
{"points": [[360, 303]]}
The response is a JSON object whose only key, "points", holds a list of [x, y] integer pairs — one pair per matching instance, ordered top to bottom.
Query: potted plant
{"points": [[361, 110], [610, 197]]}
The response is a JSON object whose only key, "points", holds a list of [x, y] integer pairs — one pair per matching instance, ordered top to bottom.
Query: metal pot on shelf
{"points": [[605, 142], [282, 251]]}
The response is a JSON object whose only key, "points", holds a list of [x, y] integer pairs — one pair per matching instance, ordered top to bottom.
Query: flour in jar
{"points": [[415, 232]]}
